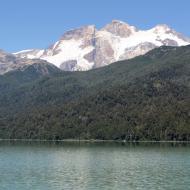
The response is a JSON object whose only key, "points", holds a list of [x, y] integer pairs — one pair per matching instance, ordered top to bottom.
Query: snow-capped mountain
{"points": [[86, 48]]}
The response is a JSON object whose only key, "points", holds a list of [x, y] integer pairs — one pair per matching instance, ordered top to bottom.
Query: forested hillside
{"points": [[145, 98]]}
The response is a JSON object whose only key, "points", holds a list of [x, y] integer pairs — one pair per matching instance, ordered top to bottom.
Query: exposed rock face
{"points": [[120, 29], [86, 32], [168, 42], [86, 48], [140, 49], [104, 53], [90, 57], [9, 62], [68, 65]]}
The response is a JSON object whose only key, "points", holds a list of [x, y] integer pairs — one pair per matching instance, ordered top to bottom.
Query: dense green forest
{"points": [[145, 98]]}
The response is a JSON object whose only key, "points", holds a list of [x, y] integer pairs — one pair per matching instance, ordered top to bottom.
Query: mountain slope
{"points": [[96, 48], [9, 62], [25, 74], [145, 98]]}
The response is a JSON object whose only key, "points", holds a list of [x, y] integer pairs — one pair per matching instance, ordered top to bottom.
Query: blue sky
{"points": [[29, 24]]}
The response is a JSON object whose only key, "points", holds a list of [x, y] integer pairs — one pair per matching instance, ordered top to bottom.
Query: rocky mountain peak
{"points": [[120, 28], [162, 28], [165, 29], [79, 32], [78, 39], [6, 57]]}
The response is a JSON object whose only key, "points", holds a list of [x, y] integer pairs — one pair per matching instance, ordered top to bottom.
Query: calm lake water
{"points": [[94, 166]]}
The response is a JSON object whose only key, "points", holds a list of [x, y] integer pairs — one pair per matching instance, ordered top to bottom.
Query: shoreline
{"points": [[91, 140]]}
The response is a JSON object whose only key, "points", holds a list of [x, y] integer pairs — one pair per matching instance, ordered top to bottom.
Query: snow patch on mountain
{"points": [[70, 50]]}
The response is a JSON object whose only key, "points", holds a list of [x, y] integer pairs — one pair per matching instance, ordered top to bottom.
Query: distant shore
{"points": [[92, 140]]}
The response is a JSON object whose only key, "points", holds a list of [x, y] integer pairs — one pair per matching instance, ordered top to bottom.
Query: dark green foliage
{"points": [[146, 98]]}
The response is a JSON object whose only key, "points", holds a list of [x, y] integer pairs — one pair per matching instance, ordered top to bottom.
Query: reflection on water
{"points": [[85, 165]]}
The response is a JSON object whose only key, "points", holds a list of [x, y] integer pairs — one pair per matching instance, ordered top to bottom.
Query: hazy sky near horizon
{"points": [[27, 24]]}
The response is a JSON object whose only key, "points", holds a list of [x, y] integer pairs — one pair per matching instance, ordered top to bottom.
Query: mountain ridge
{"points": [[87, 47], [9, 62]]}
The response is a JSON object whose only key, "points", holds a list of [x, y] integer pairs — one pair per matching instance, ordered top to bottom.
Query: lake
{"points": [[94, 166]]}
